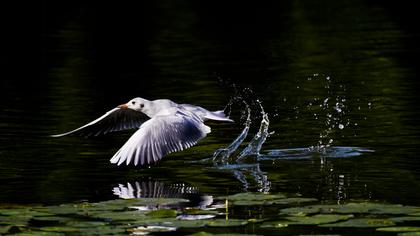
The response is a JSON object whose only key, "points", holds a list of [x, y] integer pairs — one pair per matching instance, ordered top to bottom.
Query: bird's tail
{"points": [[217, 115]]}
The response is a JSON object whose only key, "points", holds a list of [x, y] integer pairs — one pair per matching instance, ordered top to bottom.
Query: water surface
{"points": [[328, 74]]}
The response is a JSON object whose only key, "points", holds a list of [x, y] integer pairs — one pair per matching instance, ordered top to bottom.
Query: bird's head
{"points": [[137, 104]]}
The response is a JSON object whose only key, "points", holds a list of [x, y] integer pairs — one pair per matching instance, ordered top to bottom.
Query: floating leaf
{"points": [[251, 196], [195, 211], [300, 211], [162, 213], [120, 215], [195, 217], [405, 218], [317, 219], [15, 220], [186, 223], [226, 223], [362, 223], [86, 224], [275, 224], [60, 229], [149, 229], [399, 229], [103, 230], [38, 233], [210, 234], [409, 234]]}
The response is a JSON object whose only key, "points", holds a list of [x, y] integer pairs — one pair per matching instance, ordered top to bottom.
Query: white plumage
{"points": [[172, 127]]}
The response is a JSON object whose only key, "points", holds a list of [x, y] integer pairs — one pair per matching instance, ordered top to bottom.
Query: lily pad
{"points": [[251, 196], [362, 208], [195, 211], [300, 211], [162, 213], [119, 215], [195, 217], [405, 218], [317, 219], [15, 220], [186, 223], [226, 223], [361, 223], [86, 224], [275, 224], [60, 229], [399, 229], [103, 230], [142, 230], [38, 233], [210, 234], [410, 234]]}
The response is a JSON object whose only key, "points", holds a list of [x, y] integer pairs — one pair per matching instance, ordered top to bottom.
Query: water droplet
{"points": [[341, 126]]}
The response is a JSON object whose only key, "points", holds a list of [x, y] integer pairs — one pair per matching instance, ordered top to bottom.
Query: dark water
{"points": [[344, 71]]}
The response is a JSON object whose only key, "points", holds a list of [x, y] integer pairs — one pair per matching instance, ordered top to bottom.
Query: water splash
{"points": [[334, 110], [258, 140], [222, 154]]}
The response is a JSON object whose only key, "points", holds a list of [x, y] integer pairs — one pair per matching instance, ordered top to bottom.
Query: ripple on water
{"points": [[308, 153]]}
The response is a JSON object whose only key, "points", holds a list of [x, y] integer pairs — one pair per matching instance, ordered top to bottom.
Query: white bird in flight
{"points": [[172, 127]]}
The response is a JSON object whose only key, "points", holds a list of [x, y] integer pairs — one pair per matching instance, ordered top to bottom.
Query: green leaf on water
{"points": [[251, 196], [359, 208], [194, 211], [300, 211], [162, 213], [119, 215], [405, 218], [317, 219], [15, 220], [186, 223], [226, 223], [361, 223], [86, 224], [275, 224], [60, 229], [399, 229], [142, 230], [38, 233], [210, 234], [410, 234]]}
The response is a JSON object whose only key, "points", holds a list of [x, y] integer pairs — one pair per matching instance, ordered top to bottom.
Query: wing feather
{"points": [[114, 120], [160, 136]]}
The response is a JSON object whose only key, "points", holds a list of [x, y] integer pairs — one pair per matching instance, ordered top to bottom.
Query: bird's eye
{"points": [[133, 102], [141, 105]]}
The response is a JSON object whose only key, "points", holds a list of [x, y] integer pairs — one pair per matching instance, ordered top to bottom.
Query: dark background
{"points": [[65, 62]]}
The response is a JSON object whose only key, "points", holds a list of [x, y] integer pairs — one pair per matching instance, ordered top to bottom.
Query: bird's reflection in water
{"points": [[157, 189]]}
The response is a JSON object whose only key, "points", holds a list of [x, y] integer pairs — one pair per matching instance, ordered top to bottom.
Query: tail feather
{"points": [[217, 115]]}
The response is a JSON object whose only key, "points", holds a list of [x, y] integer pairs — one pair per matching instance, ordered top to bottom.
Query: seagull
{"points": [[172, 127]]}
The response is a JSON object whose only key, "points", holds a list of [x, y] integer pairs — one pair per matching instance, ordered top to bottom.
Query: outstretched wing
{"points": [[114, 120], [161, 135]]}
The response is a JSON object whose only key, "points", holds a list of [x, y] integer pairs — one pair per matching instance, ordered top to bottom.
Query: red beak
{"points": [[123, 106]]}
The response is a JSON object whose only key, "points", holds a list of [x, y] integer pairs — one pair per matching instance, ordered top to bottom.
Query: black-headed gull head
{"points": [[137, 104]]}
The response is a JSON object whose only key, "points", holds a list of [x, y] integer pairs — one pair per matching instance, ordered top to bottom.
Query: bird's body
{"points": [[172, 127]]}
